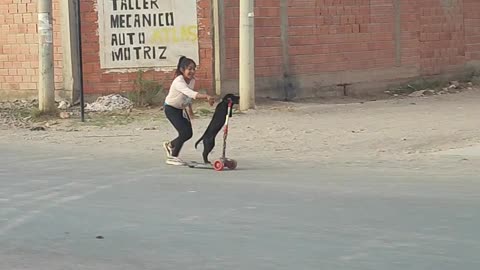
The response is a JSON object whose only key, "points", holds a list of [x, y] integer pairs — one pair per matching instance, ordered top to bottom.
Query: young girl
{"points": [[179, 98]]}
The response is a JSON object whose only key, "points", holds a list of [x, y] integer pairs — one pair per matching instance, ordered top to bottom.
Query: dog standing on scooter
{"points": [[216, 124]]}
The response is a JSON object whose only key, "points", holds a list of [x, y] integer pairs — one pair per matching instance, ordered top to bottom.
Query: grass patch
{"points": [[417, 85], [146, 92]]}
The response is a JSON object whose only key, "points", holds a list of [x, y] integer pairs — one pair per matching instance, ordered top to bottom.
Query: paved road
{"points": [[55, 204]]}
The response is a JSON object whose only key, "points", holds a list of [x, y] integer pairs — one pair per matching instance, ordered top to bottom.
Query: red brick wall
{"points": [[410, 28], [472, 28], [329, 36], [337, 36], [442, 36], [332, 37], [335, 40], [19, 48], [268, 49], [98, 81]]}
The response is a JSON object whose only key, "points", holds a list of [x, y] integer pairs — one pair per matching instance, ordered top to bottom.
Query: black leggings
{"points": [[182, 125]]}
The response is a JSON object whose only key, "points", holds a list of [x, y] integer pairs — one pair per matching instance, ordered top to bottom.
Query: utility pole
{"points": [[219, 44], [247, 56], [46, 88]]}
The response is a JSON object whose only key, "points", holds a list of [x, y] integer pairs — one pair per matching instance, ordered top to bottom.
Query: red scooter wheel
{"points": [[218, 165]]}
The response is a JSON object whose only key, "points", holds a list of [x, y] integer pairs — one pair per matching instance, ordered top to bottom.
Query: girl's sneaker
{"points": [[168, 149], [175, 161]]}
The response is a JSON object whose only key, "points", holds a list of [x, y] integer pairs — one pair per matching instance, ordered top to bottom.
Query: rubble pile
{"points": [[453, 87], [109, 103], [17, 113]]}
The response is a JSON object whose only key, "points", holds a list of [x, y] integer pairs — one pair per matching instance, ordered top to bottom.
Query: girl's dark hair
{"points": [[183, 63]]}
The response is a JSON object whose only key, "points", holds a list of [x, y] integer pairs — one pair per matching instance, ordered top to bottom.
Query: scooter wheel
{"points": [[231, 164], [218, 165]]}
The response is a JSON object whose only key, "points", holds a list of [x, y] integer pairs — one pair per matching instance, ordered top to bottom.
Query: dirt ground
{"points": [[315, 132]]}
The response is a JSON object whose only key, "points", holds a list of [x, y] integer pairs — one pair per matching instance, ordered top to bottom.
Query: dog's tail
{"points": [[199, 140]]}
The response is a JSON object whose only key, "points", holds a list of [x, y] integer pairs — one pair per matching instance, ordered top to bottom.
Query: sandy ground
{"points": [[402, 129]]}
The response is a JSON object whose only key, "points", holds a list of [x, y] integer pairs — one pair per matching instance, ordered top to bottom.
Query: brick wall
{"points": [[472, 29], [409, 33], [333, 36], [442, 36], [356, 41], [329, 42], [19, 48], [268, 48], [19, 52], [98, 81]]}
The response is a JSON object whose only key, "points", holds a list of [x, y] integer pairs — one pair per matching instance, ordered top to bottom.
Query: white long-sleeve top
{"points": [[181, 93]]}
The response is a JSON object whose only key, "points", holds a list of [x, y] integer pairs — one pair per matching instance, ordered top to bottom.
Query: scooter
{"points": [[223, 161]]}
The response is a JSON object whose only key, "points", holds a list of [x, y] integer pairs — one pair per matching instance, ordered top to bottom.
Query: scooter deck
{"points": [[199, 165]]}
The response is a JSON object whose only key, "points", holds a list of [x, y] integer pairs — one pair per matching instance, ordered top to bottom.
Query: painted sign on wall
{"points": [[147, 33]]}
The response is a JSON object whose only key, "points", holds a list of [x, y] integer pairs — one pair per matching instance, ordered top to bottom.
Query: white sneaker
{"points": [[168, 149], [175, 161]]}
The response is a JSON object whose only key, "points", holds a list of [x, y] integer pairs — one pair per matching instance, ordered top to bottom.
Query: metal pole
{"points": [[79, 25], [246, 61], [46, 85]]}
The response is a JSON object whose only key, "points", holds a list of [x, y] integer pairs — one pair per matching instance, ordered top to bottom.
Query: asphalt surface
{"points": [[61, 209]]}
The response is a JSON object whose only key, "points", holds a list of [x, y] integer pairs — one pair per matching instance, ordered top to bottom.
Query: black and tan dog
{"points": [[216, 124]]}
